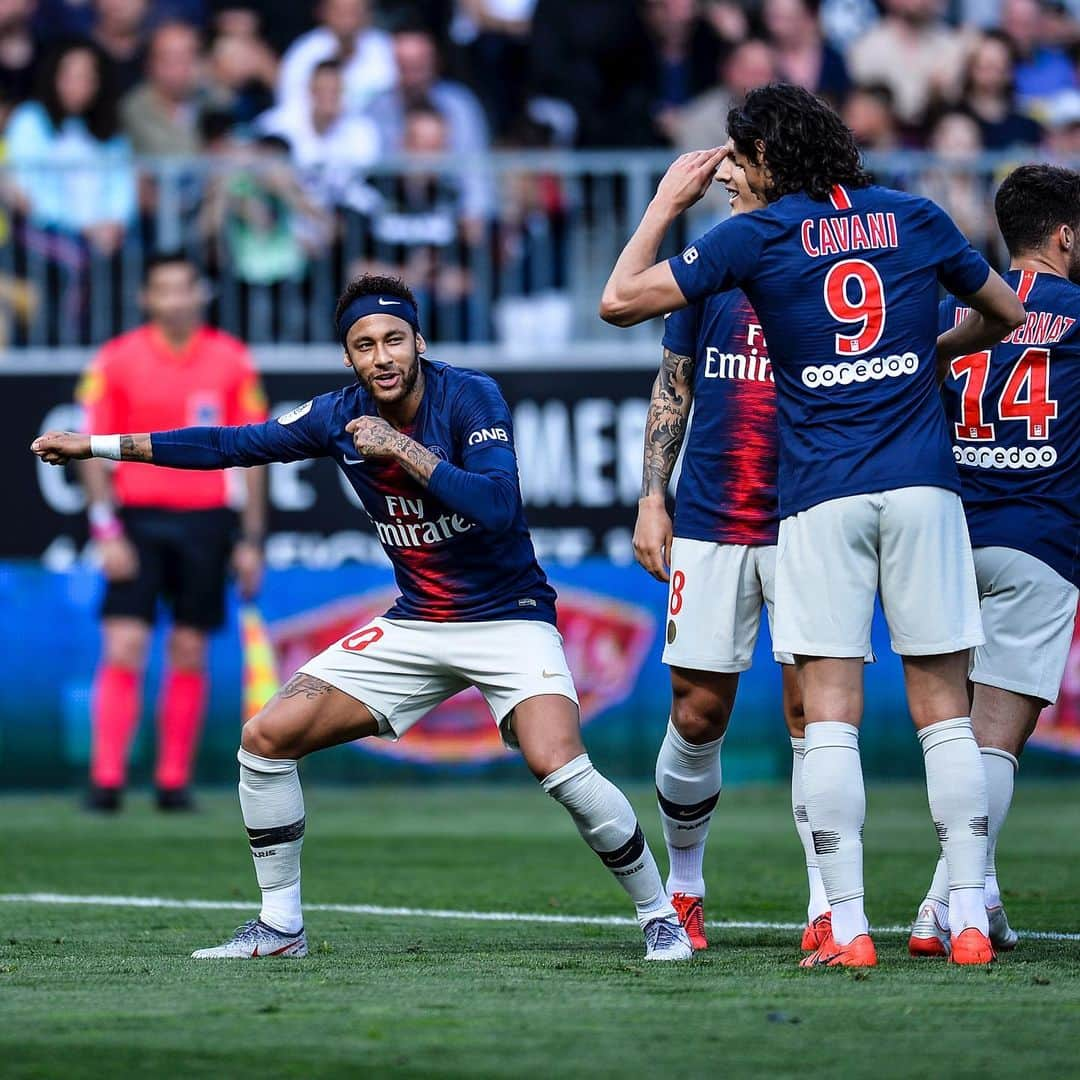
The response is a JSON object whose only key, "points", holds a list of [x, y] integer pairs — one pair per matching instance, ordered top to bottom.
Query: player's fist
{"points": [[689, 177], [372, 436], [58, 447], [652, 537]]}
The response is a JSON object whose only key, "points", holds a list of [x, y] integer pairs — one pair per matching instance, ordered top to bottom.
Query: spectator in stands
{"points": [[119, 30], [344, 34], [493, 36], [19, 52], [914, 53], [686, 54], [802, 55], [596, 56], [1042, 68], [242, 70], [420, 84], [989, 93], [868, 111], [161, 115], [1062, 141], [329, 145], [69, 161], [962, 192], [416, 231]]}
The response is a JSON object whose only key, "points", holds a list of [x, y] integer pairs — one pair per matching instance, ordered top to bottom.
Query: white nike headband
{"points": [[377, 305]]}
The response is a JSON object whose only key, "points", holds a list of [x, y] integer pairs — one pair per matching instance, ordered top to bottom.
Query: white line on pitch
{"points": [[431, 913]]}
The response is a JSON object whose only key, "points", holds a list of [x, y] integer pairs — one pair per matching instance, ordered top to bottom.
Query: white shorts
{"points": [[910, 543], [715, 597], [1028, 612], [402, 669]]}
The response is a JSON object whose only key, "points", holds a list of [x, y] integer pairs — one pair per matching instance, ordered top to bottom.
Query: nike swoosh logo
{"points": [[388, 303], [353, 461], [550, 674], [253, 838]]}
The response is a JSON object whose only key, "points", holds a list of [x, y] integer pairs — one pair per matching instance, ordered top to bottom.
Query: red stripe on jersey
{"points": [[839, 198], [1025, 285]]}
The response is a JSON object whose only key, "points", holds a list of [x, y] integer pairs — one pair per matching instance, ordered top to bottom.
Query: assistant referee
{"points": [[165, 534]]}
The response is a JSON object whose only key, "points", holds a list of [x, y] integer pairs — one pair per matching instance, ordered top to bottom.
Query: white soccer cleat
{"points": [[928, 936], [1002, 936], [665, 939], [254, 940]]}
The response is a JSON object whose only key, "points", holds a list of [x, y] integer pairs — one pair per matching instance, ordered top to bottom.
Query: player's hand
{"points": [[689, 177], [372, 436], [60, 447], [652, 537], [119, 559], [248, 565]]}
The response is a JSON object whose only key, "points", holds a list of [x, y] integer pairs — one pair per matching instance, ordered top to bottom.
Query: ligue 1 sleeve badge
{"points": [[606, 643]]}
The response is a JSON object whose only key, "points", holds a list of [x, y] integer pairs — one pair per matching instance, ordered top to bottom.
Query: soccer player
{"points": [[844, 276], [1014, 414], [429, 450], [164, 534], [722, 555]]}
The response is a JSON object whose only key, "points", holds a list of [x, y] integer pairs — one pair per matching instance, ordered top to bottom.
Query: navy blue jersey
{"points": [[847, 293], [1014, 412], [727, 488], [448, 567]]}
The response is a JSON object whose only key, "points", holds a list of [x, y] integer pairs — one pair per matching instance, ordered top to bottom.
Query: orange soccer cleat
{"points": [[691, 918], [817, 933], [929, 937], [971, 946], [858, 952]]}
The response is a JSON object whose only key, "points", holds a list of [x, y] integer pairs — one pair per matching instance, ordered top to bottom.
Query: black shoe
{"points": [[170, 799], [104, 800]]}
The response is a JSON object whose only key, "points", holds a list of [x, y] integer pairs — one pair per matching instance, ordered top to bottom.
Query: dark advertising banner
{"points": [[578, 439]]}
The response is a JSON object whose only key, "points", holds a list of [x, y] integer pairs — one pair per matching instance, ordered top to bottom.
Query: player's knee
{"points": [[125, 648], [187, 649], [700, 717], [261, 737]]}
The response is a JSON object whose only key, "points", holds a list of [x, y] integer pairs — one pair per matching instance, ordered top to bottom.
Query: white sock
{"points": [[1001, 768], [688, 781], [956, 789], [836, 805], [273, 807], [609, 826], [938, 896], [818, 903]]}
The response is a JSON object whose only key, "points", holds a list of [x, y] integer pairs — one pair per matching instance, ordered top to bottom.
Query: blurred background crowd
{"points": [[488, 150]]}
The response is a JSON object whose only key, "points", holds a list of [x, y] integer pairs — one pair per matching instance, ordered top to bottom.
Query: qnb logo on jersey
{"points": [[861, 371], [495, 434], [1005, 457], [410, 527]]}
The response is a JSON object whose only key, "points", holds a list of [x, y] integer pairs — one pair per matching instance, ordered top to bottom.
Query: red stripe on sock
{"points": [[180, 714], [114, 717]]}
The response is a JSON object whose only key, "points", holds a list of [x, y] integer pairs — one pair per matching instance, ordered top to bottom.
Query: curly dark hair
{"points": [[100, 116], [806, 145], [1032, 202], [372, 285]]}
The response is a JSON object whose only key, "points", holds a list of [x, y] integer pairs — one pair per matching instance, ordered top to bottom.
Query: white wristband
{"points": [[105, 446]]}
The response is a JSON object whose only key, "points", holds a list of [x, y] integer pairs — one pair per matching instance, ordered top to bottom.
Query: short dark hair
{"points": [[100, 116], [807, 146], [1032, 202], [174, 257], [372, 285]]}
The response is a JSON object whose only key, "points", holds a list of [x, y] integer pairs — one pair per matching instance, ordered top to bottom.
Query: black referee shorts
{"points": [[183, 560]]}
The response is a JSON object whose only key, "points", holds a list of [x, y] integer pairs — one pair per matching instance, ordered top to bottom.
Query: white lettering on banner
{"points": [[860, 371], [497, 434], [629, 437], [544, 449], [594, 451], [1005, 457], [288, 490], [61, 493]]}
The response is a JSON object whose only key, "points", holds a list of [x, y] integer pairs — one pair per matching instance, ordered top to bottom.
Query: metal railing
{"points": [[507, 253]]}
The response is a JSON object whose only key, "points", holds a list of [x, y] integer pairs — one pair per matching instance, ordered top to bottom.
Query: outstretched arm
{"points": [[639, 287], [995, 312], [665, 428]]}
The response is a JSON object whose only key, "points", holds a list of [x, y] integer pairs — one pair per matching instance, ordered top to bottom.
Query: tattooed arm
{"points": [[665, 428], [374, 437], [58, 447]]}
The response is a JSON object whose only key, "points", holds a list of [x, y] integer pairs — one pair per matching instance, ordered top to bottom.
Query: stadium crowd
{"points": [[297, 107]]}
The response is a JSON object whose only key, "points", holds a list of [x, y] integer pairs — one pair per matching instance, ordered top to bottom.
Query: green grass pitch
{"points": [[99, 991]]}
